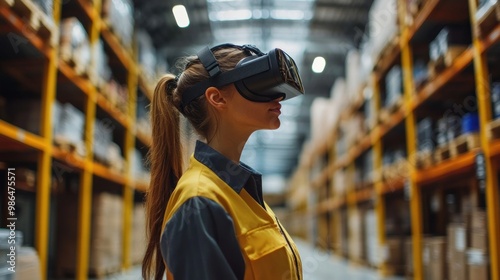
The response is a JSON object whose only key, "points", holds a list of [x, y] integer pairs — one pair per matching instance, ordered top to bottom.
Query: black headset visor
{"points": [[259, 77]]}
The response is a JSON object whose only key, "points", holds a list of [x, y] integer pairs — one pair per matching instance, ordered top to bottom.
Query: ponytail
{"points": [[165, 158]]}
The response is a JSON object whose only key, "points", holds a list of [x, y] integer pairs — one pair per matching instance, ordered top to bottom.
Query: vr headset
{"points": [[258, 77]]}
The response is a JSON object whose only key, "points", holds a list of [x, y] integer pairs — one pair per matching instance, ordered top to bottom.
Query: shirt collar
{"points": [[235, 175]]}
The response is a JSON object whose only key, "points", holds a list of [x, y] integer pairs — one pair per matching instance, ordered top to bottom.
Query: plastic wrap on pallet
{"points": [[47, 6], [120, 14], [382, 24], [448, 37], [74, 42], [147, 55], [352, 66], [102, 71], [420, 73], [394, 85], [319, 109], [71, 123], [425, 135], [103, 137], [371, 238]]}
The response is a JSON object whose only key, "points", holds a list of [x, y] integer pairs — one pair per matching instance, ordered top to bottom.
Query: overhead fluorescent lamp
{"points": [[288, 14], [230, 15], [181, 16], [319, 64]]}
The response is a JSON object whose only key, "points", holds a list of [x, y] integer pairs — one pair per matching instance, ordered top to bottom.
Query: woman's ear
{"points": [[216, 98]]}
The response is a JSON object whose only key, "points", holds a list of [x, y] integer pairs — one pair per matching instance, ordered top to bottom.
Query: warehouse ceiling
{"points": [[303, 28]]}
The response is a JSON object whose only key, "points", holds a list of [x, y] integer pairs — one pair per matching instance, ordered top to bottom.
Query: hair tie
{"points": [[171, 85]]}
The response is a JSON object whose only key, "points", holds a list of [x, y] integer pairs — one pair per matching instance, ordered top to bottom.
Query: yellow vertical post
{"points": [[485, 115], [411, 136], [45, 159], [377, 167], [86, 181], [128, 192]]}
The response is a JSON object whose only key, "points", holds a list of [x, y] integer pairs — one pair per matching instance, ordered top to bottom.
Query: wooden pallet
{"points": [[35, 19], [489, 20], [387, 52], [69, 56], [445, 61], [493, 129], [464, 143], [76, 149], [442, 153], [423, 160]]}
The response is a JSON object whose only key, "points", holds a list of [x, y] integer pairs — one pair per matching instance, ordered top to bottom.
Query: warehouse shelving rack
{"points": [[55, 69], [412, 185]]}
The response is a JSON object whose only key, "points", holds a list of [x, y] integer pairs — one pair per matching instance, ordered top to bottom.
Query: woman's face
{"points": [[252, 115]]}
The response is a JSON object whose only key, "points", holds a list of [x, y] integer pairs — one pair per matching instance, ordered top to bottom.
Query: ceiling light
{"points": [[288, 14], [228, 15], [181, 16], [319, 64]]}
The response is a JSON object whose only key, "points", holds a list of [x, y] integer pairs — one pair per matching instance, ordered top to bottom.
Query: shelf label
{"points": [[21, 135], [481, 170], [407, 190], [460, 239]]}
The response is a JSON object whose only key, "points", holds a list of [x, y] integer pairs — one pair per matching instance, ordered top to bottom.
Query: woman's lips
{"points": [[276, 109]]}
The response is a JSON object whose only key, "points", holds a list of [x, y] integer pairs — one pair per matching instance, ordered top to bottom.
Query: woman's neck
{"points": [[229, 143]]}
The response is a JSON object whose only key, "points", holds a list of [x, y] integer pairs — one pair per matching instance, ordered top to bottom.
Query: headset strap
{"points": [[208, 60], [258, 65]]}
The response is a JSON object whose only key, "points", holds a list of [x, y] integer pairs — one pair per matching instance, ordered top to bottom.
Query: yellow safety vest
{"points": [[268, 250]]}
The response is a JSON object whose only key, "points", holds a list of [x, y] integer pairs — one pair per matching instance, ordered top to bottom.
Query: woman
{"points": [[211, 221]]}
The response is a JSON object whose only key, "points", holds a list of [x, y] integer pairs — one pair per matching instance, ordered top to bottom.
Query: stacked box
{"points": [[47, 7], [120, 16], [382, 25], [448, 37], [74, 43], [146, 55], [352, 66], [102, 72], [394, 86], [71, 124], [103, 135], [425, 135], [106, 234], [355, 235], [371, 241], [457, 244], [408, 247], [105, 248], [393, 255], [477, 255], [434, 258], [477, 263], [27, 264]]}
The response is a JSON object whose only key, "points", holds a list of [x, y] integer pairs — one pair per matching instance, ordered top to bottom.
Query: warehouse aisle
{"points": [[317, 265]]}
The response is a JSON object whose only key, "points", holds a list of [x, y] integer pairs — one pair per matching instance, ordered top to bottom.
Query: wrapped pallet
{"points": [[383, 25], [106, 235], [138, 240]]}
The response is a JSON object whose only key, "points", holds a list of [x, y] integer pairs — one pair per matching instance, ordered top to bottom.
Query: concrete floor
{"points": [[316, 266]]}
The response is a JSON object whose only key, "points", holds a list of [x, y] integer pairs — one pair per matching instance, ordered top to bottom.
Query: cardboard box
{"points": [[478, 220], [479, 239], [456, 255], [409, 256], [434, 258], [477, 263]]}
